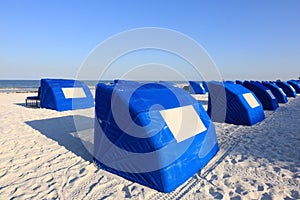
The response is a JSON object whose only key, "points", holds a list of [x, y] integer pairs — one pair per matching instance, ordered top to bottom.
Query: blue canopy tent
{"points": [[228, 81], [297, 81], [239, 82], [295, 85], [196, 88], [287, 88], [277, 92], [64, 94], [265, 96], [233, 103], [153, 134]]}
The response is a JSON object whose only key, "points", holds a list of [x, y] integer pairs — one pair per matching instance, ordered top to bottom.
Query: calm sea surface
{"points": [[32, 85]]}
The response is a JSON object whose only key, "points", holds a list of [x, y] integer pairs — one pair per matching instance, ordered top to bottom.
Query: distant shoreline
{"points": [[31, 86]]}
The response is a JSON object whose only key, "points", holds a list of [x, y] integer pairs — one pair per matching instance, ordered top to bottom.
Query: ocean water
{"points": [[19, 85], [24, 86]]}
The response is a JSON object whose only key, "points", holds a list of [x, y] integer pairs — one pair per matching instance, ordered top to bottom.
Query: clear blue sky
{"points": [[246, 39]]}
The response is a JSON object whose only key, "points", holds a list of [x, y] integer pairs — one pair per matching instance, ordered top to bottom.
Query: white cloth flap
{"points": [[282, 91], [76, 92], [271, 94], [251, 100], [183, 122]]}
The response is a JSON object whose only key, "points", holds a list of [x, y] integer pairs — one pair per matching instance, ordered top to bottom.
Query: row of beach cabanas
{"points": [[243, 102], [157, 134]]}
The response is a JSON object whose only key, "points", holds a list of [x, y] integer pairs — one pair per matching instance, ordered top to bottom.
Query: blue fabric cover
{"points": [[229, 82], [239, 82], [204, 84], [295, 85], [196, 88], [286, 88], [261, 93], [280, 95], [52, 96], [227, 104], [114, 146]]}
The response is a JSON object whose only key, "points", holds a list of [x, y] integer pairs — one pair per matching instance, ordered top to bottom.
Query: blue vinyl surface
{"points": [[295, 84], [196, 88], [287, 88], [261, 92], [279, 94], [52, 96], [226, 103], [132, 139]]}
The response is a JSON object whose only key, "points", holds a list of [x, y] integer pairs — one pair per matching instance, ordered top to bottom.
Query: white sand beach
{"points": [[41, 157]]}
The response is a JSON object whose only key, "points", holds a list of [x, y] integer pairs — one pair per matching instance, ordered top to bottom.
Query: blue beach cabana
{"points": [[228, 81], [239, 82], [295, 84], [196, 88], [287, 88], [277, 91], [65, 94], [265, 96], [234, 104], [153, 134]]}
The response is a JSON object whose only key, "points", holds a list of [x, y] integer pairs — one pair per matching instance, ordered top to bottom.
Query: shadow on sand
{"points": [[77, 138]]}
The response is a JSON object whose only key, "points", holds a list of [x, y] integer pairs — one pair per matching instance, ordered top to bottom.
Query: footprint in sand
{"points": [[233, 161], [276, 169], [81, 171], [226, 176], [35, 186], [260, 188], [125, 189], [52, 194], [215, 194], [295, 194], [266, 196], [235, 198]]}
